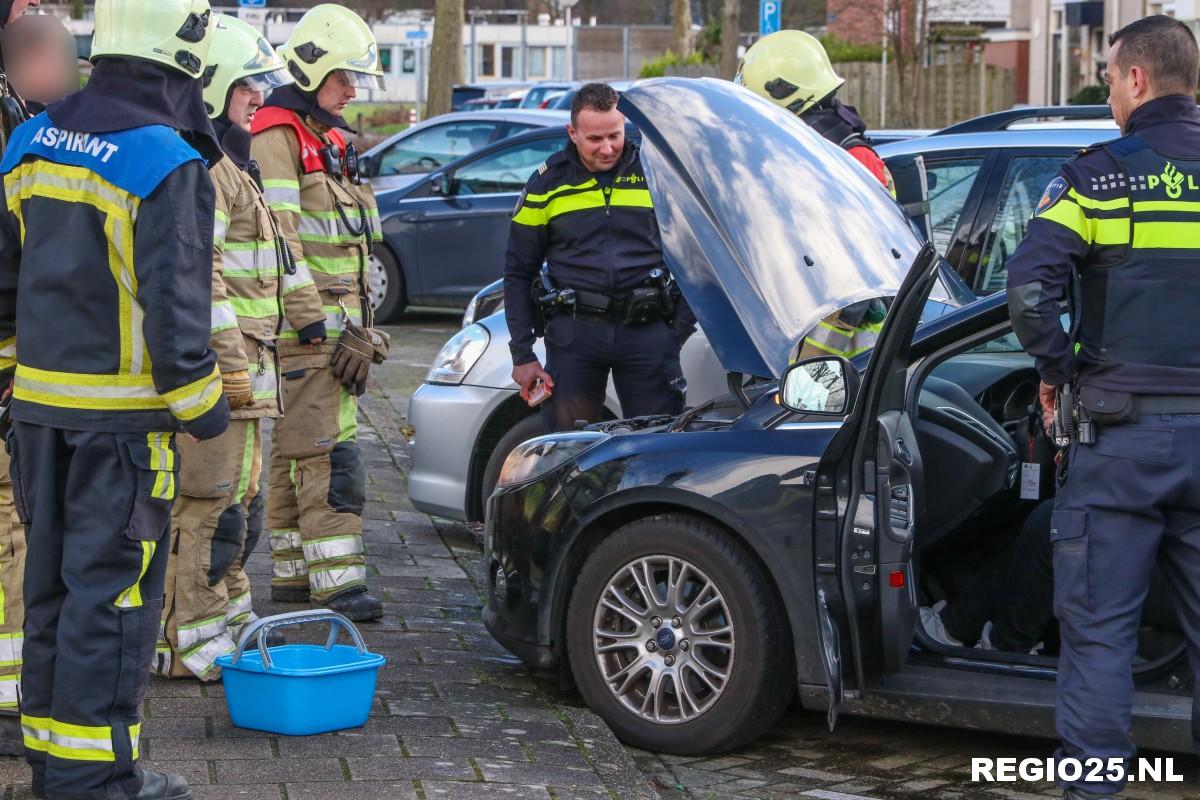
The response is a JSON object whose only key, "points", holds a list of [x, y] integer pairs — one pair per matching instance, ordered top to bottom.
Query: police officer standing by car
{"points": [[792, 70], [606, 301], [111, 327], [1123, 384]]}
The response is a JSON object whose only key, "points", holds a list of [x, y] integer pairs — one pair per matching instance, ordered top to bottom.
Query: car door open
{"points": [[868, 499]]}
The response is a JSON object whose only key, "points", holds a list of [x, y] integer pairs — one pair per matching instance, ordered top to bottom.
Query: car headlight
{"points": [[469, 314], [459, 355], [536, 457]]}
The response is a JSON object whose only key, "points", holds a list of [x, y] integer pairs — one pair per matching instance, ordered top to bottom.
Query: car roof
{"points": [[528, 116], [1032, 137]]}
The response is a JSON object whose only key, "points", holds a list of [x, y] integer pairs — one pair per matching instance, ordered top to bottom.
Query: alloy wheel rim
{"points": [[377, 283], [663, 638]]}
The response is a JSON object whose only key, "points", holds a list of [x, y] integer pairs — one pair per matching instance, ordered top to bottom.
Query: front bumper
{"points": [[448, 421], [524, 542]]}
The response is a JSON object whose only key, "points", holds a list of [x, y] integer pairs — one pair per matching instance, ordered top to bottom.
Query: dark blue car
{"points": [[694, 575]]}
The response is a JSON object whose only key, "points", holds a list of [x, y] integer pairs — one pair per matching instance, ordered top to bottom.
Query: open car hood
{"points": [[768, 227]]}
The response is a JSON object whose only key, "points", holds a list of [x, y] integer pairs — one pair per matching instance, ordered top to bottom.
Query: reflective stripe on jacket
{"points": [[322, 217], [107, 241], [251, 290]]}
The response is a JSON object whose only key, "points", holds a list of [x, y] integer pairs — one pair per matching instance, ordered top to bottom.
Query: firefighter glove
{"points": [[236, 386]]}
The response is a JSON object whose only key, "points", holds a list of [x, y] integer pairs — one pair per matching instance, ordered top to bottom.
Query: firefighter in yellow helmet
{"points": [[792, 70], [329, 218], [106, 292], [218, 517]]}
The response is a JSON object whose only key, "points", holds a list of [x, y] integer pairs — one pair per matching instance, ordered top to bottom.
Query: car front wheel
{"points": [[385, 285], [676, 639]]}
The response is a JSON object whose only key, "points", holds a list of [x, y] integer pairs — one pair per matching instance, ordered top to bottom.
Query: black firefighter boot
{"points": [[356, 605], [12, 741], [155, 786], [163, 786]]}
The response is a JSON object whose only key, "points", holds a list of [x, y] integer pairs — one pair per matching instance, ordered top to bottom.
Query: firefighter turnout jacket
{"points": [[1123, 216], [329, 222], [595, 235], [115, 283], [253, 291]]}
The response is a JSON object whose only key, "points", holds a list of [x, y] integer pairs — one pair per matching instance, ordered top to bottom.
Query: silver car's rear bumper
{"points": [[447, 421]]}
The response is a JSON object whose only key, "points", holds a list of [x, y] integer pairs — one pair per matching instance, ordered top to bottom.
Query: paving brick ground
{"points": [[456, 717]]}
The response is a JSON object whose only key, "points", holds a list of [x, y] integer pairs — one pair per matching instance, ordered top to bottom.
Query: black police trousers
{"points": [[580, 353], [1130, 499], [96, 508]]}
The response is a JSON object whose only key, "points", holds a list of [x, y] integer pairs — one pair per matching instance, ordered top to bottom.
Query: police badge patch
{"points": [[1056, 189]]}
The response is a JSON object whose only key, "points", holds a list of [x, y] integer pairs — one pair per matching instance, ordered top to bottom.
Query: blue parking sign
{"points": [[252, 3], [768, 16]]}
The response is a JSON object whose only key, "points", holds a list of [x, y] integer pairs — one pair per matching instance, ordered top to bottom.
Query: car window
{"points": [[517, 127], [437, 146], [506, 170], [949, 185], [1023, 186]]}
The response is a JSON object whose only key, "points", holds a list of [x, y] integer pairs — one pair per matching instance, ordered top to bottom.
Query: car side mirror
{"points": [[368, 166], [442, 184], [824, 385]]}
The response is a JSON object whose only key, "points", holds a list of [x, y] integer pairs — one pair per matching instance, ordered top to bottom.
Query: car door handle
{"points": [[413, 216]]}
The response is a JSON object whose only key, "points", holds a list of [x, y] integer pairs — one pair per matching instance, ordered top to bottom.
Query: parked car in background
{"points": [[543, 91], [464, 93], [563, 101], [405, 158], [983, 185], [444, 236]]}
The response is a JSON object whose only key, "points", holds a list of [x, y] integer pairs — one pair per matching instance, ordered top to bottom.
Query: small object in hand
{"points": [[539, 394]]}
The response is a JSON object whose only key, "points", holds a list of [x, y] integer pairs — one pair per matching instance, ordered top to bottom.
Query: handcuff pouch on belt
{"points": [[1106, 407]]}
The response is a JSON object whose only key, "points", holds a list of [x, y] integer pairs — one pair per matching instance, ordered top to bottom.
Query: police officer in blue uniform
{"points": [[1118, 234], [609, 301]]}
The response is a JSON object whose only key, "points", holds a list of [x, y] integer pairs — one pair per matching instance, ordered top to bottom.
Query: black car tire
{"points": [[393, 303], [528, 428], [762, 679]]}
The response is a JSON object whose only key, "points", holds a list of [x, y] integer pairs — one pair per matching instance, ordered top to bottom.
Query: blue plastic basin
{"points": [[307, 689]]}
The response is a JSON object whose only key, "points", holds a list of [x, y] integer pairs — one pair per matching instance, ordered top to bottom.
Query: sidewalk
{"points": [[455, 716]]}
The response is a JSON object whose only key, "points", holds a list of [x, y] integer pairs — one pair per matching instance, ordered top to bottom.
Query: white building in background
{"points": [[1069, 40], [503, 50]]}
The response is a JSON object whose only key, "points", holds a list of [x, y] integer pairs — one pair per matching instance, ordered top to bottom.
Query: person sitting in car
{"points": [[1009, 604]]}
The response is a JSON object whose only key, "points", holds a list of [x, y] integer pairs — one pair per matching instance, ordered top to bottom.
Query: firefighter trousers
{"points": [[317, 488], [96, 509], [12, 590], [207, 592]]}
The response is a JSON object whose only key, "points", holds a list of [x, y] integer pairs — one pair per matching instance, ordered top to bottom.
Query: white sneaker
{"points": [[931, 621], [985, 642]]}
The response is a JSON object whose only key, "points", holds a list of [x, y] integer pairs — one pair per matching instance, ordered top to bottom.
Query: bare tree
{"points": [[681, 21], [729, 38], [445, 55]]}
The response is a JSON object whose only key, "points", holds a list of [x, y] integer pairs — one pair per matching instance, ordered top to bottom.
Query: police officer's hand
{"points": [[526, 375], [1046, 398]]}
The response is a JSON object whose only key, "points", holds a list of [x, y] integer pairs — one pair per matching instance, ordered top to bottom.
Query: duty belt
{"points": [[597, 304], [1144, 405]]}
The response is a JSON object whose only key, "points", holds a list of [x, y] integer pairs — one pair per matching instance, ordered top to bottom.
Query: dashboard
{"points": [[973, 427]]}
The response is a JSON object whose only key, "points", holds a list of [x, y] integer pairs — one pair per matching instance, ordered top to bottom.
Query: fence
{"points": [[956, 85]]}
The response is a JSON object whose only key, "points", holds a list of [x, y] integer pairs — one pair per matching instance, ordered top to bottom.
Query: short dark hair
{"points": [[1165, 48], [598, 96]]}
